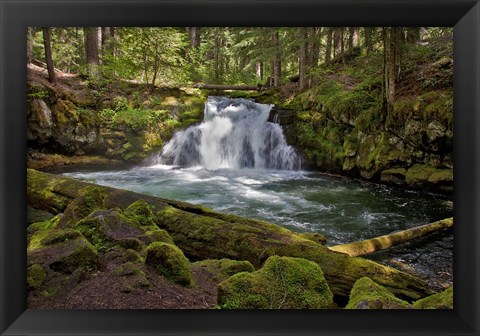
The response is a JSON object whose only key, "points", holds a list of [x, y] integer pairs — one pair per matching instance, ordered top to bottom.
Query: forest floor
{"points": [[104, 290]]}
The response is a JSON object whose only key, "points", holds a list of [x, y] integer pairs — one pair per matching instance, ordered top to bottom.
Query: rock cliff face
{"points": [[413, 149]]}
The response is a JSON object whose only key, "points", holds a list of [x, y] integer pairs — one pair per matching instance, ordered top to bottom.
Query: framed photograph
{"points": [[208, 167]]}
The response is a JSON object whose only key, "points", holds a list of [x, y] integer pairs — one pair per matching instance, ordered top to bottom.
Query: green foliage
{"points": [[37, 95], [137, 118]]}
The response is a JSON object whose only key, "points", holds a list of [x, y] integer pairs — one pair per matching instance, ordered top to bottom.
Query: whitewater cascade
{"points": [[235, 133]]}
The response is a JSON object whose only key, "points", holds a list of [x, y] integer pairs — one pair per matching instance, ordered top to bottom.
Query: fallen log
{"points": [[226, 87], [206, 234], [368, 246]]}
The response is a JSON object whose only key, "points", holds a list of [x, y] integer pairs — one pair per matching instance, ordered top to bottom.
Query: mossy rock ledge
{"points": [[202, 233], [282, 283], [366, 294], [442, 300]]}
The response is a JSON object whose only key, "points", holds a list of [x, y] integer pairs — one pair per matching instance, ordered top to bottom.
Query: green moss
{"points": [[419, 173], [443, 175], [41, 193], [89, 199], [140, 211], [104, 228], [38, 230], [155, 235], [61, 236], [315, 237], [130, 243], [63, 250], [82, 255], [132, 256], [169, 261], [127, 268], [221, 269], [36, 276], [132, 277], [282, 283], [366, 294], [442, 300]]}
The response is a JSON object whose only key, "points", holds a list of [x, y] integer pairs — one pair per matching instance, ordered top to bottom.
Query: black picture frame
{"points": [[16, 16]]}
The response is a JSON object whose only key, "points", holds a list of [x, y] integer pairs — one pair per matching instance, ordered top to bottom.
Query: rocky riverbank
{"points": [[100, 247]]}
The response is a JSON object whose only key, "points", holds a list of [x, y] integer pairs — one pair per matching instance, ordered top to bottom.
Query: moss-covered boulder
{"points": [[89, 199], [140, 211], [143, 213], [104, 228], [62, 250], [169, 261], [221, 269], [36, 276], [282, 283], [367, 294], [442, 300]]}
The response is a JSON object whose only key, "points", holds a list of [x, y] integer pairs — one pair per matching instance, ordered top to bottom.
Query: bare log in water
{"points": [[226, 87], [367, 246]]}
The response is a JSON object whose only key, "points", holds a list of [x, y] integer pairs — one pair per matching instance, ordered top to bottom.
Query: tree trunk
{"points": [[351, 31], [194, 33], [413, 34], [30, 36], [356, 37], [105, 38], [368, 40], [113, 41], [337, 42], [328, 48], [315, 50], [91, 51], [314, 53], [48, 54], [217, 57], [277, 63], [155, 65], [391, 68], [259, 70], [302, 82], [225, 87], [384, 108], [219, 235], [368, 246]]}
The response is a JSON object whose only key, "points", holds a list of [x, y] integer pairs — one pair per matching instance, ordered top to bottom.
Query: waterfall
{"points": [[234, 134]]}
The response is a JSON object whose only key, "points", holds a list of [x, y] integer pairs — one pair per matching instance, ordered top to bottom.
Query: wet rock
{"points": [[435, 130], [393, 176]]}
